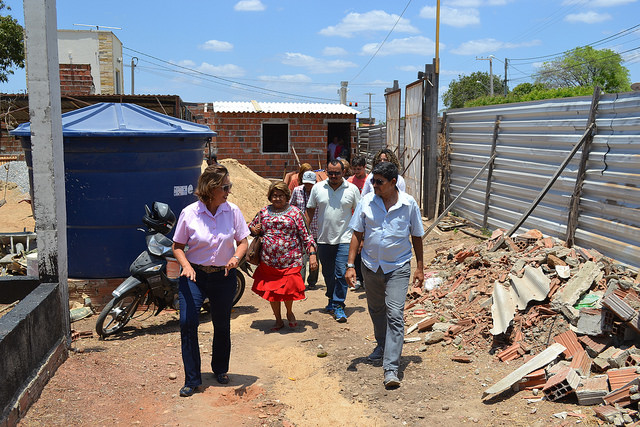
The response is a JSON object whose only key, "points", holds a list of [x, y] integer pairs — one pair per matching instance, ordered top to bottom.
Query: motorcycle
{"points": [[150, 283]]}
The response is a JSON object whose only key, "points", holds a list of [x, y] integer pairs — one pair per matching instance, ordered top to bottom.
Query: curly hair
{"points": [[390, 157], [212, 177], [279, 185]]}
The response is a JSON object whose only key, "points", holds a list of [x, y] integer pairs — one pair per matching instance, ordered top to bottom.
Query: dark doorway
{"points": [[342, 131]]}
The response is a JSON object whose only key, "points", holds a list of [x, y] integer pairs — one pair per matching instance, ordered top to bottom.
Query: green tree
{"points": [[11, 44], [586, 66], [470, 87]]}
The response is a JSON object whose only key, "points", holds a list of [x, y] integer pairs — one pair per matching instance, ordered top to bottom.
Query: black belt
{"points": [[207, 268]]}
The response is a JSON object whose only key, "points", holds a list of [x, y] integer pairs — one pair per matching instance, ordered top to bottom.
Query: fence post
{"points": [[430, 140], [487, 194], [574, 206]]}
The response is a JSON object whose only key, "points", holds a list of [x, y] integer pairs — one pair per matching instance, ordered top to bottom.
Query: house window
{"points": [[275, 137]]}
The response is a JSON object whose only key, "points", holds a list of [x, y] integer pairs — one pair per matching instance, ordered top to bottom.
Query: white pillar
{"points": [[49, 204]]}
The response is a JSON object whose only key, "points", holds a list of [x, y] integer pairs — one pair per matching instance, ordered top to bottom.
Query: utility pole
{"points": [[490, 59], [133, 65], [506, 89], [343, 92], [368, 93]]}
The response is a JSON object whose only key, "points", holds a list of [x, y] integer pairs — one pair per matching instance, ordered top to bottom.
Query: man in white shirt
{"points": [[335, 199], [389, 221]]}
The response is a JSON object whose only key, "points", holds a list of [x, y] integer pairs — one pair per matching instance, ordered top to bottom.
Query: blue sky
{"points": [[300, 50]]}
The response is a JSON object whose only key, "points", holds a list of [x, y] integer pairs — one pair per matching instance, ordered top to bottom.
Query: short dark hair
{"points": [[359, 161], [336, 162], [387, 169]]}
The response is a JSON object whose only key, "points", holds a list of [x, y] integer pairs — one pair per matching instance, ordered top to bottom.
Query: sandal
{"points": [[292, 322], [277, 328], [222, 378]]}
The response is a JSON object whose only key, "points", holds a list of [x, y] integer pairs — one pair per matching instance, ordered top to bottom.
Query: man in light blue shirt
{"points": [[390, 222]]}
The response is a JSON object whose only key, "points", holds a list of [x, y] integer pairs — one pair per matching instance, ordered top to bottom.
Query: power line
{"points": [[613, 36], [383, 42], [193, 72]]}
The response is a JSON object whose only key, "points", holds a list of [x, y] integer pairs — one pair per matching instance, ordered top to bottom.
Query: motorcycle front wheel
{"points": [[239, 288], [117, 313]]}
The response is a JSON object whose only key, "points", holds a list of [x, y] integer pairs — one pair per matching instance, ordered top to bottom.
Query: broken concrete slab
{"points": [[571, 292], [592, 321], [434, 337], [547, 356], [592, 390]]}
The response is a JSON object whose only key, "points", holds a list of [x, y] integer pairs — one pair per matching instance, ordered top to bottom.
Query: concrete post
{"points": [[49, 204]]}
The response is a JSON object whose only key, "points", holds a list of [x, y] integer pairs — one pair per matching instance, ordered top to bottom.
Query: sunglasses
{"points": [[334, 173], [375, 181], [226, 188]]}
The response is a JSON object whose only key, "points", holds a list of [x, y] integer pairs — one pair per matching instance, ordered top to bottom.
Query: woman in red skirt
{"points": [[285, 237]]}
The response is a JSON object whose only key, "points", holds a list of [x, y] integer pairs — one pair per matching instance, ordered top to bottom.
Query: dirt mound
{"points": [[249, 189]]}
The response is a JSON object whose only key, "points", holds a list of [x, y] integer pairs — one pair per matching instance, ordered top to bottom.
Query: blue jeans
{"points": [[333, 259], [220, 291], [386, 294]]}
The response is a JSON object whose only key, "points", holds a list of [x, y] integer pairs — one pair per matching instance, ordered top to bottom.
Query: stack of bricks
{"points": [[75, 79]]}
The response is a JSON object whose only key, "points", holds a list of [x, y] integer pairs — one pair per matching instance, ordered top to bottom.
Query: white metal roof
{"points": [[280, 107]]}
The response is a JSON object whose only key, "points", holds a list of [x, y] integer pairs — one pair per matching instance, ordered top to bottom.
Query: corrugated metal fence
{"points": [[531, 141]]}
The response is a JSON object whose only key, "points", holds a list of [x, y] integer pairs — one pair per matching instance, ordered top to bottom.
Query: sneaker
{"points": [[358, 285], [339, 315], [377, 354], [391, 379], [187, 391]]}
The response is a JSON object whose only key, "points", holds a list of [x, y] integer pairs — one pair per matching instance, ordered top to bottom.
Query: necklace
{"points": [[278, 213]]}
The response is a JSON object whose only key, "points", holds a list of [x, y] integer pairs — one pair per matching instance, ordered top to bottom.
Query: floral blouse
{"points": [[284, 236]]}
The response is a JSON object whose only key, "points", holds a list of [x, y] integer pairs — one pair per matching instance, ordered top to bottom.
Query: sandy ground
{"points": [[277, 378]]}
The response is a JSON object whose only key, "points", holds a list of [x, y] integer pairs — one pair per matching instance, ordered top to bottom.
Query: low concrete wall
{"points": [[31, 337]]}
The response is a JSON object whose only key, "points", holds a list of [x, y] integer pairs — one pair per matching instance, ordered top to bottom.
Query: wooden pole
{"points": [[487, 194], [574, 206]]}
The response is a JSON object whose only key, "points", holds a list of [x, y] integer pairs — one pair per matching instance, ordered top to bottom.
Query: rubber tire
{"points": [[239, 288], [115, 303]]}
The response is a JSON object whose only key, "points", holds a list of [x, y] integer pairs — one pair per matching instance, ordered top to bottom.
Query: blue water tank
{"points": [[117, 158]]}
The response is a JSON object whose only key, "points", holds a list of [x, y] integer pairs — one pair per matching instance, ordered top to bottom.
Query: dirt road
{"points": [[277, 378]]}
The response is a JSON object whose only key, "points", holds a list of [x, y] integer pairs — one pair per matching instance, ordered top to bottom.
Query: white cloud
{"points": [[477, 3], [598, 3], [249, 6], [454, 17], [590, 17], [375, 20], [217, 45], [417, 45], [476, 47], [334, 51], [316, 65], [409, 68], [225, 70], [288, 78]]}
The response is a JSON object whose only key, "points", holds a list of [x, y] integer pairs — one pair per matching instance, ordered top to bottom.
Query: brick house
{"points": [[267, 136]]}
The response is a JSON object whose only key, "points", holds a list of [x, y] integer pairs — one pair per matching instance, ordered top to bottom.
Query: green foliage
{"points": [[11, 44], [586, 66], [470, 87], [533, 95]]}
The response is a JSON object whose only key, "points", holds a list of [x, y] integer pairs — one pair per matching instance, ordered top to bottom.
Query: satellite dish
{"points": [[635, 87]]}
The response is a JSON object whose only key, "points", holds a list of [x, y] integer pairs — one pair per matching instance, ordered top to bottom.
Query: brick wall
{"points": [[75, 79], [240, 137], [10, 145]]}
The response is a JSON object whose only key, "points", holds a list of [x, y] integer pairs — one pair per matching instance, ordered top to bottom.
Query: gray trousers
{"points": [[386, 294]]}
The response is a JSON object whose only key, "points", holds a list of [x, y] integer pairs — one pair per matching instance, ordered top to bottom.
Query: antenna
{"points": [[98, 26]]}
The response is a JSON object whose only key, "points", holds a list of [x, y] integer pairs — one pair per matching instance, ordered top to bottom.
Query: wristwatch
{"points": [[351, 266]]}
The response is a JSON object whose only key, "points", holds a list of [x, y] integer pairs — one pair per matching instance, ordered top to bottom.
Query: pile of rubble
{"points": [[571, 313]]}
